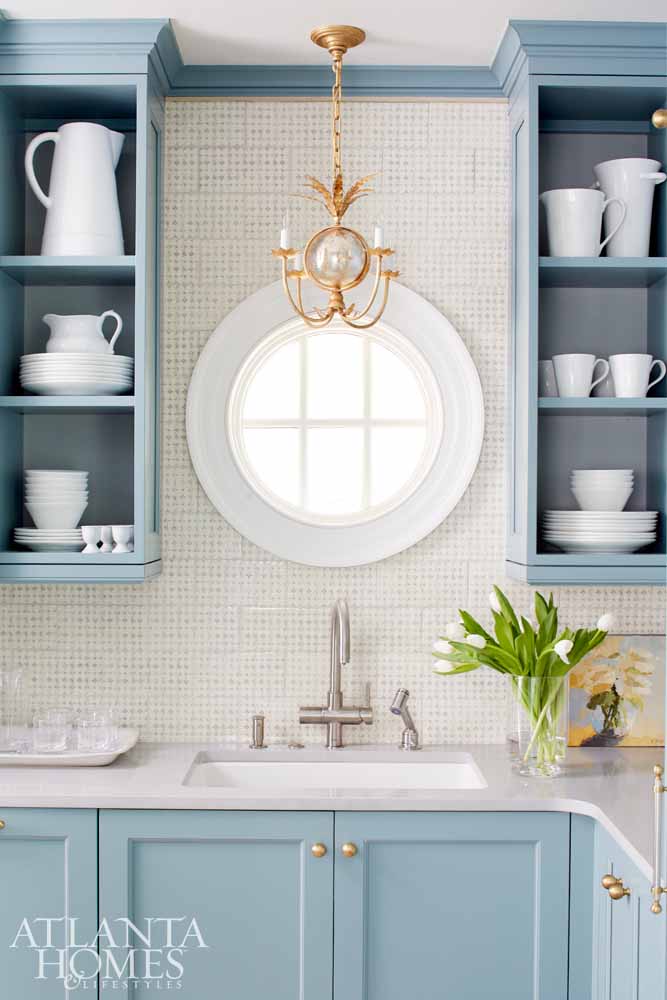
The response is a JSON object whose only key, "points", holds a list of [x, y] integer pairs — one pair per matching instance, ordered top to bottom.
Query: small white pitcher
{"points": [[633, 181], [81, 334]]}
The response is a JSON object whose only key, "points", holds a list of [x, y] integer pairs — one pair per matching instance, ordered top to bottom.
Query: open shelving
{"points": [[563, 126], [115, 438]]}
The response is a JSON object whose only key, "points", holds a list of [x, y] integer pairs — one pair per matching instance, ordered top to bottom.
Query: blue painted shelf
{"points": [[36, 270], [601, 272], [67, 404], [603, 406]]}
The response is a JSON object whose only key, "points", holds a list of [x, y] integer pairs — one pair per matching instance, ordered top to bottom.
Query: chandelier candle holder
{"points": [[336, 258]]}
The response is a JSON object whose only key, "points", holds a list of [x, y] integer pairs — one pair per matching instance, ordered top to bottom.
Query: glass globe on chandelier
{"points": [[337, 258]]}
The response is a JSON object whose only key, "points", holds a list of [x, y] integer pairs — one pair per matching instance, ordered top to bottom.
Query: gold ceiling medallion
{"points": [[336, 258]]}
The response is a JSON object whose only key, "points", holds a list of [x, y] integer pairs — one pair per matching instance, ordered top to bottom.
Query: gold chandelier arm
{"points": [[376, 285], [385, 296], [312, 321]]}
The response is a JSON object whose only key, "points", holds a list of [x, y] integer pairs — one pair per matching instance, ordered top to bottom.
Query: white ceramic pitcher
{"points": [[634, 181], [82, 213], [81, 334]]}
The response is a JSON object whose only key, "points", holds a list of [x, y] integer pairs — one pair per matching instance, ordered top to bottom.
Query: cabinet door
{"points": [[48, 871], [262, 902], [466, 906], [629, 940]]}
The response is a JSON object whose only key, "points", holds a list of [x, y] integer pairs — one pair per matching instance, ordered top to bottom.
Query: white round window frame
{"points": [[236, 337], [387, 337]]}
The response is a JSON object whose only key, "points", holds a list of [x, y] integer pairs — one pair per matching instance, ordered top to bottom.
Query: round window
{"points": [[334, 427]]}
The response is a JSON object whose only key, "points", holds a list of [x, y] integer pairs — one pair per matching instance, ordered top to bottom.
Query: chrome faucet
{"points": [[399, 706], [336, 715]]}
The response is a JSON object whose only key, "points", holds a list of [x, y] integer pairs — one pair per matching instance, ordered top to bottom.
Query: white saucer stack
{"points": [[60, 374], [582, 531], [43, 540]]}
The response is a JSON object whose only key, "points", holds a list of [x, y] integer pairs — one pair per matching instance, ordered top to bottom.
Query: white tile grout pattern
{"points": [[228, 629]]}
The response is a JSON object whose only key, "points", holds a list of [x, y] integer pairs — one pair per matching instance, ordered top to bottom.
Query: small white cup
{"points": [[574, 221], [574, 373], [631, 373], [546, 379], [92, 535], [122, 536], [107, 538]]}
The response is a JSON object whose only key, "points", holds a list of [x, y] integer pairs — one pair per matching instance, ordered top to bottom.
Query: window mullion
{"points": [[303, 415], [366, 453]]}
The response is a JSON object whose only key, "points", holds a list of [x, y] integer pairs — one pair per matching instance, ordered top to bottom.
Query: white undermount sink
{"points": [[308, 770]]}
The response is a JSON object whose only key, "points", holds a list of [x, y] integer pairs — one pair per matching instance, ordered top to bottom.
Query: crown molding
{"points": [[150, 45], [593, 48], [315, 81]]}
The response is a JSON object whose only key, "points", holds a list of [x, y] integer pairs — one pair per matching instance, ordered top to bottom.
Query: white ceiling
{"points": [[418, 32]]}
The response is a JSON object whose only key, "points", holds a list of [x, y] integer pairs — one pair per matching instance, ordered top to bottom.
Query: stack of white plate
{"points": [[61, 374], [602, 489], [56, 498], [599, 531], [42, 540]]}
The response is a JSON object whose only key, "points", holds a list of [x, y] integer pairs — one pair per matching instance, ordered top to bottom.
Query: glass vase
{"points": [[537, 724]]}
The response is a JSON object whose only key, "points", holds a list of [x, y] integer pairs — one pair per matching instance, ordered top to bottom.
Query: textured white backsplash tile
{"points": [[228, 629]]}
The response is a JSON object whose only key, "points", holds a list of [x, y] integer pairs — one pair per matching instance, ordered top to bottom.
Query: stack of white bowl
{"points": [[60, 374], [602, 489], [55, 500], [601, 526]]}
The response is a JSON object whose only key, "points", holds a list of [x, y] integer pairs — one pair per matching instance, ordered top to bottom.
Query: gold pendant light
{"points": [[337, 258]]}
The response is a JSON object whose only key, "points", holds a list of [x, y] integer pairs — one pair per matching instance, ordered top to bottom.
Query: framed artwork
{"points": [[617, 694]]}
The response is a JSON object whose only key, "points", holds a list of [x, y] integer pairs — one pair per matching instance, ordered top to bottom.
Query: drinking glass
{"points": [[13, 710], [96, 729], [51, 730]]}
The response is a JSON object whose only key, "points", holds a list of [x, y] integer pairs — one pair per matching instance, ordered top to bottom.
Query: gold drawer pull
{"points": [[659, 119], [2, 824], [318, 850], [348, 850], [614, 887]]}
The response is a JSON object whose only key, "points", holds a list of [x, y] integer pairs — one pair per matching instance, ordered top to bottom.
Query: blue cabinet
{"points": [[567, 116], [115, 438], [48, 870], [263, 902], [461, 905], [628, 939]]}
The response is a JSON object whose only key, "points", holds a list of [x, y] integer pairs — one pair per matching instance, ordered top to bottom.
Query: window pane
{"points": [[335, 376], [274, 388], [395, 391], [395, 454], [273, 455], [335, 470]]}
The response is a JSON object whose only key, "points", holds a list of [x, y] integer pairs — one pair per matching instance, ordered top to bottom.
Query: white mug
{"points": [[634, 181], [574, 221], [574, 373], [632, 373], [546, 379]]}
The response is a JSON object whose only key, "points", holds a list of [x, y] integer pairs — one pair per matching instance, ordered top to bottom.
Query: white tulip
{"points": [[494, 603], [606, 623], [455, 631], [478, 641], [442, 646], [562, 648]]}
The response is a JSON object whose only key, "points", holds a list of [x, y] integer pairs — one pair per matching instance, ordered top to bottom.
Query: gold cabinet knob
{"points": [[659, 119], [2, 824], [318, 850], [348, 850], [614, 887]]}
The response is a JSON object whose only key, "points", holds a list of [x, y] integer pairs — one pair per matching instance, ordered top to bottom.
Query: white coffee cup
{"points": [[574, 221], [632, 372], [574, 373], [546, 379]]}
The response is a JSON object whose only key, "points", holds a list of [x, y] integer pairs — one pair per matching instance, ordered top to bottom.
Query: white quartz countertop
{"points": [[612, 786]]}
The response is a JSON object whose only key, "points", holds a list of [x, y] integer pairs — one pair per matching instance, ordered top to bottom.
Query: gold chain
{"points": [[335, 115]]}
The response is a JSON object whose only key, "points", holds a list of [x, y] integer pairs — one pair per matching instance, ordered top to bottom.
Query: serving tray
{"points": [[72, 758]]}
